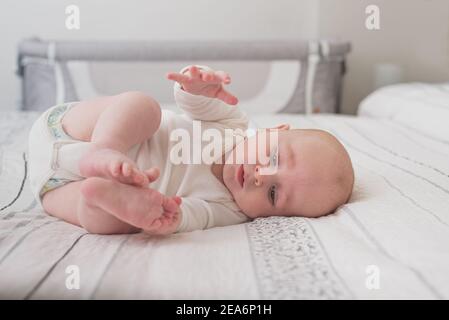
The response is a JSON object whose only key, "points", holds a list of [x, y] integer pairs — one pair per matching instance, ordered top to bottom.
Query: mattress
{"points": [[390, 241]]}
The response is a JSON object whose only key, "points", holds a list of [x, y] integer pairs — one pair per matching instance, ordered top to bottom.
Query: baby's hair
{"points": [[343, 179]]}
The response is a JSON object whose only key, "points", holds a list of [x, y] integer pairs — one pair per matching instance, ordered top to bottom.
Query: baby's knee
{"points": [[145, 102]]}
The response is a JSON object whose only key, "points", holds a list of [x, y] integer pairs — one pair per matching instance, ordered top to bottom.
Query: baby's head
{"points": [[314, 176]]}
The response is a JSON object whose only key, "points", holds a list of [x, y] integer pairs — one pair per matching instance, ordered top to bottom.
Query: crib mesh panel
{"points": [[47, 80]]}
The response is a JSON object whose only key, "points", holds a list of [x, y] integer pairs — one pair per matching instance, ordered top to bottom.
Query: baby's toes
{"points": [[115, 168], [127, 169], [137, 178], [140, 178], [169, 215], [157, 223]]}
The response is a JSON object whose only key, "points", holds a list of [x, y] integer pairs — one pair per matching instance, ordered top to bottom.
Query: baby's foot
{"points": [[112, 164], [144, 208]]}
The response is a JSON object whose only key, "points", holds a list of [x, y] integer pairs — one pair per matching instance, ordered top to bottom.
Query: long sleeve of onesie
{"points": [[209, 109], [198, 213]]}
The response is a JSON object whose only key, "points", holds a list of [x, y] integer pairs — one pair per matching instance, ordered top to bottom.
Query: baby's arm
{"points": [[203, 81], [206, 99], [197, 214]]}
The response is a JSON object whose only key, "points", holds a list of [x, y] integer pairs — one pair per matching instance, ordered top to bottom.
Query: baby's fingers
{"points": [[194, 72], [223, 76], [178, 77], [210, 77], [215, 77], [227, 97], [152, 174], [178, 200], [170, 204], [157, 223], [164, 224]]}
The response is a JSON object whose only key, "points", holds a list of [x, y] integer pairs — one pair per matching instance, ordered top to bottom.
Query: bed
{"points": [[391, 241]]}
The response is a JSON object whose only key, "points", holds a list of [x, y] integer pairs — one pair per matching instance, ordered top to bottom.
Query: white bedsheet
{"points": [[396, 227]]}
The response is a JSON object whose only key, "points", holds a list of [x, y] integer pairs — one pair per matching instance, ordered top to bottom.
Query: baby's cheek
{"points": [[251, 203]]}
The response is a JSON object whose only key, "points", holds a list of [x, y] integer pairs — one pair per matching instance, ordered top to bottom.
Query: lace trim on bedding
{"points": [[290, 262]]}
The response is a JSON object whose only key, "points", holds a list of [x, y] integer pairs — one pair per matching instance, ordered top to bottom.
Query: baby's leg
{"points": [[132, 118], [108, 120], [123, 121], [113, 125], [68, 203], [105, 206]]}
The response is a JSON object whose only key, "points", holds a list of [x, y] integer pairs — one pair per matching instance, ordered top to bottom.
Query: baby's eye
{"points": [[272, 194]]}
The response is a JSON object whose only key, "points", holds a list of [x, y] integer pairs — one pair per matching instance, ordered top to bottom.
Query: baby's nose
{"points": [[257, 176]]}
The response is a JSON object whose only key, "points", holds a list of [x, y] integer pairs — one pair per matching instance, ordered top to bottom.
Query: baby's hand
{"points": [[205, 83], [161, 211], [167, 223]]}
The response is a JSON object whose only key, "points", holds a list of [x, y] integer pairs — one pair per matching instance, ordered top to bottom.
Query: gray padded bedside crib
{"points": [[47, 78]]}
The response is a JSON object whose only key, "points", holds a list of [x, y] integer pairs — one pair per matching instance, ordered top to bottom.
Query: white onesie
{"points": [[206, 202]]}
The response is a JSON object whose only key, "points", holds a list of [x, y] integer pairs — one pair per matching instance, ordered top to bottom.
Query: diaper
{"points": [[46, 140], [53, 155]]}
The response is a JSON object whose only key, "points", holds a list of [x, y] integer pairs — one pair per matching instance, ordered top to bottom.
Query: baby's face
{"points": [[314, 176]]}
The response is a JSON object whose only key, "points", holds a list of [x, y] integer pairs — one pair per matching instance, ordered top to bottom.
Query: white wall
{"points": [[148, 19], [414, 34]]}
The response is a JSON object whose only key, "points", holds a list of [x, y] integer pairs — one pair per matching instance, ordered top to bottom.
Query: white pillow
{"points": [[420, 106]]}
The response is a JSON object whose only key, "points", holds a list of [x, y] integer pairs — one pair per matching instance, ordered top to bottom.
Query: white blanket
{"points": [[390, 241]]}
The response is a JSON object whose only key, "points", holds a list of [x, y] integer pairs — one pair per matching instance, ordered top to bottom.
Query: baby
{"points": [[106, 164]]}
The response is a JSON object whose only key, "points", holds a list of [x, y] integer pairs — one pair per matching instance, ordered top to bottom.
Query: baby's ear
{"points": [[282, 127]]}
